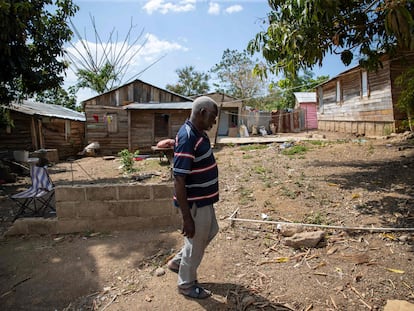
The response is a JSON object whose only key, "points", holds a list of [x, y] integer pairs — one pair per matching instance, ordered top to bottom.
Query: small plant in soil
{"points": [[127, 160]]}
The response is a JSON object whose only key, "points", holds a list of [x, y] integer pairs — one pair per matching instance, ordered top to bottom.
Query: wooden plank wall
{"points": [[372, 115], [142, 127], [97, 131], [49, 133], [54, 137]]}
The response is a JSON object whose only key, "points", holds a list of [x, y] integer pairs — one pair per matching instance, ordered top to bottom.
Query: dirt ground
{"points": [[341, 181]]}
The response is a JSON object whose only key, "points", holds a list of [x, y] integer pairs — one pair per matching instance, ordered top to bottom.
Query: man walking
{"points": [[196, 189]]}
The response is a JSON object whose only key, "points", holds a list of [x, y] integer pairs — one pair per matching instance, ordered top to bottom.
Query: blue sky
{"points": [[182, 32]]}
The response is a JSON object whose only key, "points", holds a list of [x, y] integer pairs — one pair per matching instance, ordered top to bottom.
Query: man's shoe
{"points": [[195, 291]]}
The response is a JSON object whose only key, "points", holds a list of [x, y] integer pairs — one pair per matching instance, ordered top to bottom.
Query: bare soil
{"points": [[342, 181]]}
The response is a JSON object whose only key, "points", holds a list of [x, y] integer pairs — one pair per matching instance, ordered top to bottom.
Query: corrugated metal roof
{"points": [[305, 97], [160, 106], [46, 110]]}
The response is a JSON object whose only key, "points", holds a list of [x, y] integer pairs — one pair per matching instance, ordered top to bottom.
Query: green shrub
{"points": [[127, 160]]}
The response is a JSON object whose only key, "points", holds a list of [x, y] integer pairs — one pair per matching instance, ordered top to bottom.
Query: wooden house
{"points": [[361, 102], [306, 103], [128, 117], [149, 123], [43, 126]]}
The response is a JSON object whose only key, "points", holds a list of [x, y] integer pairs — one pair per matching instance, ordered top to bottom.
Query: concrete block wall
{"points": [[105, 207]]}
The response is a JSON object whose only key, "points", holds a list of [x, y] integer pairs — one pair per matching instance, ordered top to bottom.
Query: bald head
{"points": [[203, 102], [204, 113]]}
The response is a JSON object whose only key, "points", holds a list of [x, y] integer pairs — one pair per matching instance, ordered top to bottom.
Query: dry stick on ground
{"points": [[14, 286], [360, 297], [333, 302], [109, 303]]}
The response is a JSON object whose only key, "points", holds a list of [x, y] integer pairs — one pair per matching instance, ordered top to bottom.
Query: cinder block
{"points": [[163, 191], [134, 192], [101, 193], [67, 194], [156, 208], [67, 209], [96, 209], [126, 209]]}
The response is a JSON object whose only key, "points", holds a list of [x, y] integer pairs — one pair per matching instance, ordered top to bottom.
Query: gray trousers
{"points": [[190, 256]]}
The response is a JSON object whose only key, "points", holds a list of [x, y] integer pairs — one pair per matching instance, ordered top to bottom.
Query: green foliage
{"points": [[300, 33], [32, 46], [235, 75], [98, 79], [190, 82], [297, 83], [59, 96], [406, 98], [5, 119], [253, 147], [298, 149], [127, 160], [259, 170], [246, 195], [316, 219]]}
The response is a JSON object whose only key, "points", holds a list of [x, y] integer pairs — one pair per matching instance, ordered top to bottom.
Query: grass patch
{"points": [[316, 142], [253, 147], [295, 150], [259, 170], [289, 193], [246, 195], [316, 219]]}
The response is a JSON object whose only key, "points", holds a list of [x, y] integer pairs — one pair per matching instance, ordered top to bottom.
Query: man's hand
{"points": [[181, 194], [188, 227]]}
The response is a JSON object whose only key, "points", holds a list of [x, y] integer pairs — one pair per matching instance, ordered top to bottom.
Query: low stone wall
{"points": [[105, 208]]}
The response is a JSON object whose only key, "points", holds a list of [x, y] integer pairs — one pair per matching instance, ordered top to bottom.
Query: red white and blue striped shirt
{"points": [[193, 158]]}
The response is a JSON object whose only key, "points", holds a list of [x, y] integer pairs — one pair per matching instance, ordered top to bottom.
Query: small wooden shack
{"points": [[306, 102], [361, 102], [115, 125], [43, 126]]}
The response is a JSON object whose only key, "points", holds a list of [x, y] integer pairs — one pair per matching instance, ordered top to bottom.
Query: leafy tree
{"points": [[300, 33], [31, 48], [102, 66], [235, 75], [97, 79], [190, 82], [292, 84], [60, 96], [406, 98]]}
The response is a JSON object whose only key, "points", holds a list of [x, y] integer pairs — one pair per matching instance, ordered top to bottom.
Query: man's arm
{"points": [[181, 195]]}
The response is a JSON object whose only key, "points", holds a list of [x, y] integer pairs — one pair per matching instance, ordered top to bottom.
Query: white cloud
{"points": [[164, 7], [213, 8], [234, 9], [141, 56]]}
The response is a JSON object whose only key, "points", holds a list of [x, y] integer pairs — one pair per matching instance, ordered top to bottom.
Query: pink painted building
{"points": [[306, 101]]}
